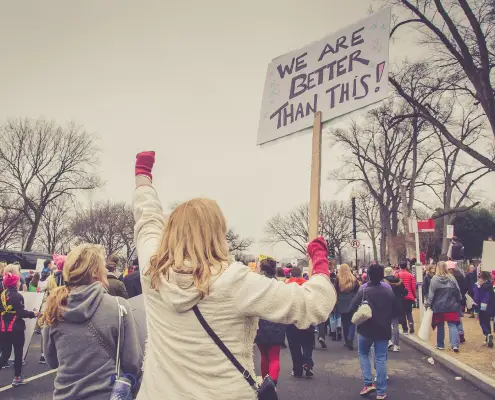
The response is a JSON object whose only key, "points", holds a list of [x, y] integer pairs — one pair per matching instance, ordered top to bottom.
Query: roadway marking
{"points": [[52, 371]]}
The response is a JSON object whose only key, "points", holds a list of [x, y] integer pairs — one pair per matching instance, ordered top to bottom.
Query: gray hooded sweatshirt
{"points": [[444, 295], [85, 355]]}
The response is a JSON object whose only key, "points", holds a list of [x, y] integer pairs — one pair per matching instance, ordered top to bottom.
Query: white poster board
{"points": [[341, 73], [450, 231], [488, 257], [40, 264]]}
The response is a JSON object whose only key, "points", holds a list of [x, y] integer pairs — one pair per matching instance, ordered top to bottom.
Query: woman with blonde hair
{"points": [[347, 286], [444, 298], [195, 301], [82, 328]]}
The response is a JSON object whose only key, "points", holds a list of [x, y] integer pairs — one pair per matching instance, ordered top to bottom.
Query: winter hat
{"points": [[59, 261], [451, 264], [389, 271], [10, 280]]}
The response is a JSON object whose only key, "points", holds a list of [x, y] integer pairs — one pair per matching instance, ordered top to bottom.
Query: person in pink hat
{"points": [[12, 325]]}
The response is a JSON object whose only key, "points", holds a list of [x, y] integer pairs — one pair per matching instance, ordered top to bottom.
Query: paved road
{"points": [[337, 377]]}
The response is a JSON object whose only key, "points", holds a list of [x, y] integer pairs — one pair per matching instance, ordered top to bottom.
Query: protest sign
{"points": [[336, 75], [488, 257]]}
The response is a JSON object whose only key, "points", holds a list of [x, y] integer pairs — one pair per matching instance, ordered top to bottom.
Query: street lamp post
{"points": [[354, 228], [364, 254], [369, 255]]}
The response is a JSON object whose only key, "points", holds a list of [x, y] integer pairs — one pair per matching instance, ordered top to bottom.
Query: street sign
{"points": [[355, 244]]}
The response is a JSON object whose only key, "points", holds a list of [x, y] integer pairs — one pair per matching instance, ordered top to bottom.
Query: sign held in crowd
{"points": [[336, 75]]}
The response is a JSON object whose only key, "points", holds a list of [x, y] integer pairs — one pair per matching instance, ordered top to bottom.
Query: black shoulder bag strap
{"points": [[245, 373]]}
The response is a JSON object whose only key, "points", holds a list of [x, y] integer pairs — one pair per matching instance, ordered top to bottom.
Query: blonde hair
{"points": [[194, 241], [84, 265], [2, 267], [11, 269], [442, 269], [346, 278]]}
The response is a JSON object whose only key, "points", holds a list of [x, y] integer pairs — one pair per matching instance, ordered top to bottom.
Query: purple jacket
{"points": [[482, 294]]}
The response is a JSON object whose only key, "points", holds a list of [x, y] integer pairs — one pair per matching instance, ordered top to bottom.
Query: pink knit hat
{"points": [[59, 261], [10, 280]]}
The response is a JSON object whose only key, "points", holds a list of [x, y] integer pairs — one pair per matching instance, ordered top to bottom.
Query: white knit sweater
{"points": [[181, 361]]}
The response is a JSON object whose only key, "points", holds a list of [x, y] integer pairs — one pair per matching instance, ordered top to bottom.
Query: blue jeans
{"points": [[335, 321], [460, 328], [453, 334], [381, 352]]}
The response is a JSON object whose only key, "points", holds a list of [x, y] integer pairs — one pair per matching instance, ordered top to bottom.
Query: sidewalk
{"points": [[473, 353]]}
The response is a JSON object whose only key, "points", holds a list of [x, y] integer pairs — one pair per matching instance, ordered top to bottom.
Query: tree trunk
{"points": [[32, 233]]}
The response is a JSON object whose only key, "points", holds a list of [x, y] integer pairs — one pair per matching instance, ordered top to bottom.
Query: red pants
{"points": [[270, 360]]}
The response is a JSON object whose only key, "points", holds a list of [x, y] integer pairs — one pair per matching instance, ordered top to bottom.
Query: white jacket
{"points": [[181, 360]]}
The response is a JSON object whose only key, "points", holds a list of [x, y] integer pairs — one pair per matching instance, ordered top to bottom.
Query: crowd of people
{"points": [[204, 313]]}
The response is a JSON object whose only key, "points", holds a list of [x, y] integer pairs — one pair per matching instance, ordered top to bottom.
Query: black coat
{"points": [[471, 280], [132, 284], [463, 285], [116, 287], [400, 292], [381, 299], [14, 322], [270, 333]]}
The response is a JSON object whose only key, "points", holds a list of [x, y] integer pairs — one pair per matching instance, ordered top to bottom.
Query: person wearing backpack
{"points": [[456, 251], [484, 298], [12, 325], [81, 330]]}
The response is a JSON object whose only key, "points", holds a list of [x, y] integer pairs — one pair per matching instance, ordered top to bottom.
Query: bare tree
{"points": [[462, 38], [387, 155], [40, 162], [368, 217], [9, 223], [108, 224], [336, 225], [292, 228], [55, 234], [236, 243]]}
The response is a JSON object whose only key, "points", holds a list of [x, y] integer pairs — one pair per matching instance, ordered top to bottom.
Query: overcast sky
{"points": [[183, 78]]}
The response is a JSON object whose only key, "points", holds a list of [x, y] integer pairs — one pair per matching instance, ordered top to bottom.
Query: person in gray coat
{"points": [[444, 299], [81, 329]]}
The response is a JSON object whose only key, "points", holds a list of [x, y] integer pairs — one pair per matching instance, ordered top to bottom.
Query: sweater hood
{"points": [[444, 279], [299, 281], [393, 281], [180, 290], [83, 301]]}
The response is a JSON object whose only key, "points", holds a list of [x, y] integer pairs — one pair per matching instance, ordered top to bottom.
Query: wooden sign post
{"points": [[314, 194]]}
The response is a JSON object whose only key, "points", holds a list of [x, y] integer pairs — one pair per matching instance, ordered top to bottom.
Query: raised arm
{"points": [[148, 211], [276, 301]]}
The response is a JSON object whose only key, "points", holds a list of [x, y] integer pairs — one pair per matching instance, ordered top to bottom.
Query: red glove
{"points": [[144, 163], [318, 252]]}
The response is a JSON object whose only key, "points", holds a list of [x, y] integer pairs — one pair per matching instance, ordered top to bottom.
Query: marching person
{"points": [[132, 281], [409, 282], [188, 283], [115, 286], [346, 286], [463, 287], [399, 292], [483, 293], [444, 299], [12, 325], [81, 330], [376, 331], [271, 335]]}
